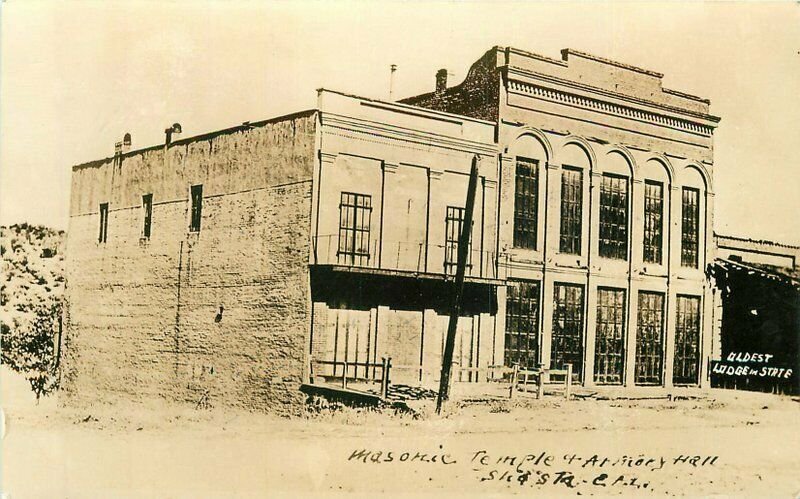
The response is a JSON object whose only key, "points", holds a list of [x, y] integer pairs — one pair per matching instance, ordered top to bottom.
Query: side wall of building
{"points": [[220, 316]]}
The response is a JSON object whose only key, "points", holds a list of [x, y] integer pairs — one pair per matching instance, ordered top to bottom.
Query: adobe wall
{"points": [[144, 314]]}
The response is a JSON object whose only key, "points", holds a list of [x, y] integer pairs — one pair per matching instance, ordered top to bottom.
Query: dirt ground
{"points": [[709, 443]]}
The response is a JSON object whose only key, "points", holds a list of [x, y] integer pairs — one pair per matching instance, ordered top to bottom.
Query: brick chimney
{"points": [[441, 81], [175, 129]]}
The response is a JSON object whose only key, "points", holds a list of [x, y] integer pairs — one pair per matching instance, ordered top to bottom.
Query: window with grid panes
{"points": [[526, 201], [571, 210], [355, 213], [614, 217], [653, 221], [453, 224], [690, 224], [522, 324], [567, 337], [649, 338], [687, 341], [609, 359]]}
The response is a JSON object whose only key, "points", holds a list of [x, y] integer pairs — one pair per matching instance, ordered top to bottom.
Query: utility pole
{"points": [[458, 288]]}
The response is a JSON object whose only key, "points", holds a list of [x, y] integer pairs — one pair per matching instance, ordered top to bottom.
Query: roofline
{"points": [[565, 53], [533, 55], [685, 95], [423, 110], [247, 125], [756, 241], [767, 272]]}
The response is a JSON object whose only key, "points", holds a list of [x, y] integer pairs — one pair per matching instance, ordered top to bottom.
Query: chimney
{"points": [[441, 81], [174, 129], [126, 143]]}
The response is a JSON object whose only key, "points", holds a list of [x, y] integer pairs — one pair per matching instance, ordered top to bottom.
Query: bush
{"points": [[30, 348]]}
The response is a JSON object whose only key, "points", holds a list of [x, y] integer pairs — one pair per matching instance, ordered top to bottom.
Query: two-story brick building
{"points": [[217, 267]]}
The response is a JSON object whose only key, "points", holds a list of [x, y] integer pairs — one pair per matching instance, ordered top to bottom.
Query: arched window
{"points": [[530, 160], [575, 164], [614, 189], [692, 202], [654, 233]]}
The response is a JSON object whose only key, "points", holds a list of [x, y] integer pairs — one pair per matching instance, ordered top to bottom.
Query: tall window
{"points": [[526, 201], [197, 208], [571, 210], [147, 213], [355, 213], [614, 217], [653, 221], [103, 223], [453, 223], [690, 223], [522, 324], [649, 338], [567, 340], [687, 341], [609, 350]]}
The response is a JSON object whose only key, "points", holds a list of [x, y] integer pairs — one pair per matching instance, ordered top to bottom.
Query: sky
{"points": [[76, 76]]}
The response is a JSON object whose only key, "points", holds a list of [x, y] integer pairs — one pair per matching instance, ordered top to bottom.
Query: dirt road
{"points": [[724, 443]]}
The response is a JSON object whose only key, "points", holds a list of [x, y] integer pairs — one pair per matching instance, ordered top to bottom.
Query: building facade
{"points": [[388, 209], [606, 214], [232, 267], [215, 268]]}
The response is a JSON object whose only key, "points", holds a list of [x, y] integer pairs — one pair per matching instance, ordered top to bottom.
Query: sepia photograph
{"points": [[399, 248]]}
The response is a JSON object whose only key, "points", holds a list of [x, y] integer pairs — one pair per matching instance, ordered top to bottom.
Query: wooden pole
{"points": [[458, 288], [384, 377], [513, 381], [568, 383], [540, 388]]}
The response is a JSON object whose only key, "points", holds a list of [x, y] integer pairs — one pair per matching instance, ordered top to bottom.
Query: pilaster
{"points": [[552, 213], [591, 220], [546, 318], [670, 318], [590, 327], [629, 378]]}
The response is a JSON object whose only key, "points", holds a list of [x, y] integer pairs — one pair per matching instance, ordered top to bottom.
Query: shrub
{"points": [[29, 348]]}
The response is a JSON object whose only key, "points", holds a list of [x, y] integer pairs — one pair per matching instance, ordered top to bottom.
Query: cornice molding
{"points": [[516, 71], [604, 106], [407, 135]]}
